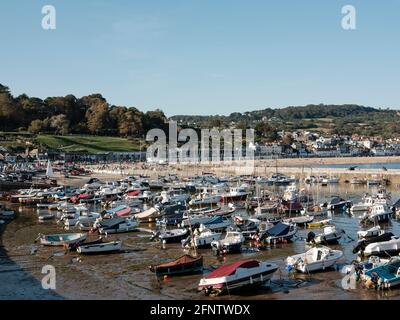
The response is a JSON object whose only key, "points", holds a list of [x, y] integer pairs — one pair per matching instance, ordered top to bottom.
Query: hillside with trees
{"points": [[92, 115]]}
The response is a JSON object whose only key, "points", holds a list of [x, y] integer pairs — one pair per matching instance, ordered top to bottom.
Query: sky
{"points": [[204, 56]]}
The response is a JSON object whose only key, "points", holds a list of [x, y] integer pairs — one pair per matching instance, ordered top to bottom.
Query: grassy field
{"points": [[86, 143]]}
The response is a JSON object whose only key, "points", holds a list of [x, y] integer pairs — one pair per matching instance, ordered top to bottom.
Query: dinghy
{"points": [[61, 239], [99, 248], [315, 259], [183, 265], [237, 275]]}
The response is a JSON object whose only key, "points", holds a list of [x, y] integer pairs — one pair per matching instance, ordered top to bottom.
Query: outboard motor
{"points": [[310, 237], [185, 242]]}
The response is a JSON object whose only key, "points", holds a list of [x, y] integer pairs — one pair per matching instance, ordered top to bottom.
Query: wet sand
{"points": [[126, 276]]}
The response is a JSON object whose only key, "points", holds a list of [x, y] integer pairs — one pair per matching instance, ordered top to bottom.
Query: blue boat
{"points": [[385, 276]]}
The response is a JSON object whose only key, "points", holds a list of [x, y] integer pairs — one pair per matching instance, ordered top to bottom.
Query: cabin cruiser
{"points": [[234, 194], [364, 205], [378, 213], [231, 243], [315, 259], [245, 273]]}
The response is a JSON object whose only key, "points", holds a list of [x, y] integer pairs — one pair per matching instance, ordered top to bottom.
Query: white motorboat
{"points": [[364, 205], [380, 213], [73, 219], [116, 225], [371, 232], [329, 235], [202, 237], [231, 243], [385, 247], [315, 259], [246, 273]]}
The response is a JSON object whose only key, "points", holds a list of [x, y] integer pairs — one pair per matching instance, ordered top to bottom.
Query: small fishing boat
{"points": [[338, 203], [364, 205], [291, 206], [379, 213], [73, 219], [300, 221], [319, 224], [116, 225], [371, 232], [279, 233], [171, 235], [329, 235], [202, 237], [61, 239], [232, 243], [362, 244], [391, 246], [99, 248], [315, 259], [183, 265], [237, 275], [385, 276]]}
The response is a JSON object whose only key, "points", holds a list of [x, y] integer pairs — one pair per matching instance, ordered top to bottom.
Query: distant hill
{"points": [[289, 113], [345, 119]]}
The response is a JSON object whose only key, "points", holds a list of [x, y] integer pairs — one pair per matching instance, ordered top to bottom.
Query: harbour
{"points": [[125, 274]]}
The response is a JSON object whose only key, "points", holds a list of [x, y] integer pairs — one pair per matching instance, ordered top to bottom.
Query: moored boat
{"points": [[62, 239], [99, 248], [315, 259], [183, 265], [240, 274]]}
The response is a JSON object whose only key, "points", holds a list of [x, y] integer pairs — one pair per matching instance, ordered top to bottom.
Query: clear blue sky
{"points": [[204, 56]]}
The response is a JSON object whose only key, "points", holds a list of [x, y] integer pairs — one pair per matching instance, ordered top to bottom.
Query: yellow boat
{"points": [[319, 224]]}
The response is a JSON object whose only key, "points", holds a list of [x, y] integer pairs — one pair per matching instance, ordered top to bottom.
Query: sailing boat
{"points": [[49, 170]]}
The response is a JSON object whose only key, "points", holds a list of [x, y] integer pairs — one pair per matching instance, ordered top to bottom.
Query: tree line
{"points": [[90, 114]]}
